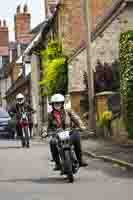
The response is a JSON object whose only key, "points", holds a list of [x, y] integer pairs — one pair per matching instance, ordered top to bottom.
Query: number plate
{"points": [[64, 135]]}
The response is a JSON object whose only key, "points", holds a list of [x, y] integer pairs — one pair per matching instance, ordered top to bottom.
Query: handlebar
{"points": [[52, 132]]}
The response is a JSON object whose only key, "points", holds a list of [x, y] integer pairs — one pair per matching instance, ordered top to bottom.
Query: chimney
{"points": [[25, 8], [18, 9], [22, 25], [4, 38]]}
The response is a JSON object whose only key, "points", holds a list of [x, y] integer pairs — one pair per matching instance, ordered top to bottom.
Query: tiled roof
{"points": [[37, 28], [18, 84]]}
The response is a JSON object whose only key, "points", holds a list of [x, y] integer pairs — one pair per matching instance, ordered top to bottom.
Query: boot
{"points": [[23, 144], [83, 164]]}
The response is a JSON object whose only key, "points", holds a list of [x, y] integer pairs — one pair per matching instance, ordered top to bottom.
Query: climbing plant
{"points": [[55, 75], [106, 77], [126, 78]]}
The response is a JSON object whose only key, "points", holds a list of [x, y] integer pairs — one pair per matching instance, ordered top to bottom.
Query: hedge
{"points": [[126, 78]]}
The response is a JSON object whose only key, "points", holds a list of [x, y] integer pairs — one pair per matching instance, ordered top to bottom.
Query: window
{"points": [[23, 47], [4, 60], [0, 61], [27, 68]]}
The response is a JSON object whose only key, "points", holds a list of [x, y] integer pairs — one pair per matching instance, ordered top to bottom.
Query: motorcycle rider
{"points": [[19, 107], [59, 117]]}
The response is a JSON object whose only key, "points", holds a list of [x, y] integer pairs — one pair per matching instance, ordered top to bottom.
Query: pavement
{"points": [[106, 150], [26, 174]]}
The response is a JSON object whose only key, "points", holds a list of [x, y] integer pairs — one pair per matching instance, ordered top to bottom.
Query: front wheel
{"points": [[25, 140], [68, 166]]}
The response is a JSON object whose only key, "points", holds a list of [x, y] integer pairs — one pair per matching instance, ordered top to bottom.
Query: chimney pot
{"points": [[25, 8], [18, 9]]}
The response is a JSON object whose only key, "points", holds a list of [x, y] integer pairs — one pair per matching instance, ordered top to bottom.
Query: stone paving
{"points": [[108, 148]]}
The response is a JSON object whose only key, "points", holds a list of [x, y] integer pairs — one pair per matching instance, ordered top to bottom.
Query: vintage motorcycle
{"points": [[24, 124], [69, 164]]}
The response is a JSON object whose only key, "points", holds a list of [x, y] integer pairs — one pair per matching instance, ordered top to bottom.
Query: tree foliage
{"points": [[55, 73]]}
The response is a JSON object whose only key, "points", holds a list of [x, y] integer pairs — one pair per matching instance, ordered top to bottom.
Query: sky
{"points": [[8, 9]]}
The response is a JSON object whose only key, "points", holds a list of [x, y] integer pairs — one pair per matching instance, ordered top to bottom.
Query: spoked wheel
{"points": [[26, 139]]}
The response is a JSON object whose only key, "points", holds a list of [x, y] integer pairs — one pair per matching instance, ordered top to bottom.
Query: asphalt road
{"points": [[26, 174]]}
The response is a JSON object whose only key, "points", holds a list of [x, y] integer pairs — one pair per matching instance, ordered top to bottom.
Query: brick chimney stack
{"points": [[22, 25], [4, 38]]}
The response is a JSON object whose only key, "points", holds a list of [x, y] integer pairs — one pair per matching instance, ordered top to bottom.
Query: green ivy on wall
{"points": [[55, 70], [126, 78]]}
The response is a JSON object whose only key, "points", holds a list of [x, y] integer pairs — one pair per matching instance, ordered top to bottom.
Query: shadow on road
{"points": [[10, 147], [48, 180]]}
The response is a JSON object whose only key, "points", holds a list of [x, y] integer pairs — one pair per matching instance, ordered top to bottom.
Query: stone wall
{"points": [[71, 21], [105, 48], [77, 67], [35, 92]]}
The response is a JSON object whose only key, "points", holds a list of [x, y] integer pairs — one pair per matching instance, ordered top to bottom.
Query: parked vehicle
{"points": [[5, 125], [69, 164]]}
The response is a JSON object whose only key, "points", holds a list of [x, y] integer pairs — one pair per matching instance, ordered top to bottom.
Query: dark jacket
{"points": [[17, 109], [69, 119]]}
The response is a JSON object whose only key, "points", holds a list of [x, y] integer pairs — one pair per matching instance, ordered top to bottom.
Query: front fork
{"points": [[25, 136], [75, 163]]}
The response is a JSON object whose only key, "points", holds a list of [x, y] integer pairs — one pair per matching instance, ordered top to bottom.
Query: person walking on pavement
{"points": [[59, 117]]}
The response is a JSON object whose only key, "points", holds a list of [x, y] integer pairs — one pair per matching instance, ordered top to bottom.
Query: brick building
{"points": [[22, 21], [71, 30], [23, 37], [105, 46]]}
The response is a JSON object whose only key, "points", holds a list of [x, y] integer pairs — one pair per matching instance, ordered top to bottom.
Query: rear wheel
{"points": [[25, 138], [68, 166], [70, 178]]}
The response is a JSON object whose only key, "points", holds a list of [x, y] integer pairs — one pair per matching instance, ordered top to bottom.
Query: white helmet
{"points": [[20, 98], [57, 98]]}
